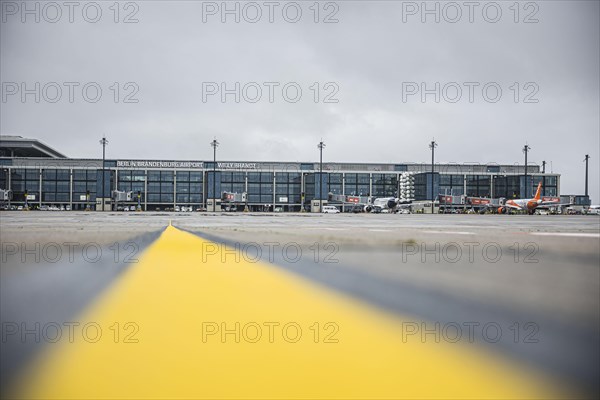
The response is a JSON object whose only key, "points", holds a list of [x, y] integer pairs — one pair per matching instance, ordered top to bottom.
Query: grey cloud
{"points": [[369, 53]]}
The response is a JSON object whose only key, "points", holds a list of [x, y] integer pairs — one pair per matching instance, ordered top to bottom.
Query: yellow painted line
{"points": [[176, 299]]}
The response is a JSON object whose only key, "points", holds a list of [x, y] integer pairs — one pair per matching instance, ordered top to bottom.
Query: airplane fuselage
{"points": [[523, 204]]}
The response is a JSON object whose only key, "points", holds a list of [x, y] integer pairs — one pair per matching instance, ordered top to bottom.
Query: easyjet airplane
{"points": [[528, 205]]}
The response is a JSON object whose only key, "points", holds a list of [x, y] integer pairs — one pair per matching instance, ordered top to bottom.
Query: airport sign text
{"points": [[160, 164], [236, 165]]}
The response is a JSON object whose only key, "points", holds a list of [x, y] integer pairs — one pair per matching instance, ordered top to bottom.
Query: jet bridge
{"points": [[235, 199]]}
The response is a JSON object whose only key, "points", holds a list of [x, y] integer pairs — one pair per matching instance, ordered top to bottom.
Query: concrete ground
{"points": [[536, 277]]}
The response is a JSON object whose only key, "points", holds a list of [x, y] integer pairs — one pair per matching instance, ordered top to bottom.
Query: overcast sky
{"points": [[370, 62]]}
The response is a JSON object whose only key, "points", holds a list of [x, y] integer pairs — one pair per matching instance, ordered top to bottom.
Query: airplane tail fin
{"points": [[538, 191]]}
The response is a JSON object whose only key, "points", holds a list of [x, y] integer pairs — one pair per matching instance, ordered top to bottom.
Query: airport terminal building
{"points": [[35, 174]]}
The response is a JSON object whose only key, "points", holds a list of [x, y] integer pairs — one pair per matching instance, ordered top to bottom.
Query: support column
{"points": [[116, 183], [9, 187], [71, 188], [174, 189], [205, 189], [274, 189], [146, 190], [246, 190], [40, 191], [302, 191], [344, 191]]}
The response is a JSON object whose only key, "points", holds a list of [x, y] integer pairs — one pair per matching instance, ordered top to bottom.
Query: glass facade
{"points": [[4, 178], [105, 180], [23, 181], [322, 182], [358, 184], [56, 185], [213, 185], [385, 185], [423, 185], [452, 185], [478, 186], [507, 186], [549, 186], [161, 187], [189, 187], [260, 187], [288, 187], [513, 187], [84, 188], [166, 188]]}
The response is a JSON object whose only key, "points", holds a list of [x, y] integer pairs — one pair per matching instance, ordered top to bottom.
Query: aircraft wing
{"points": [[548, 204], [514, 207]]}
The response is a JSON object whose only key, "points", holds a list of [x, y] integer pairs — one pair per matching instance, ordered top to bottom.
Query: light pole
{"points": [[103, 142], [214, 145], [320, 146], [432, 146], [526, 149], [587, 157], [302, 191]]}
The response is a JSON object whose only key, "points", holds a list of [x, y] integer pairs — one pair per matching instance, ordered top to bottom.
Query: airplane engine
{"points": [[392, 203], [368, 208], [501, 210]]}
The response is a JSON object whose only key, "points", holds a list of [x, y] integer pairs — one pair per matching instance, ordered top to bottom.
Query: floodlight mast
{"points": [[103, 142], [214, 144], [321, 145], [432, 146], [526, 149]]}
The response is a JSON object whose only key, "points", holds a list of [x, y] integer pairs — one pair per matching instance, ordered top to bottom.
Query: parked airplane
{"points": [[370, 204], [392, 204], [528, 205]]}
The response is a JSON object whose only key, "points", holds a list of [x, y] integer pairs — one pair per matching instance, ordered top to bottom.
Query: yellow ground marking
{"points": [[176, 298]]}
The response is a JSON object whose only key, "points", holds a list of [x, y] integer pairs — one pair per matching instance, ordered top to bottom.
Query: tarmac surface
{"points": [[523, 290]]}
